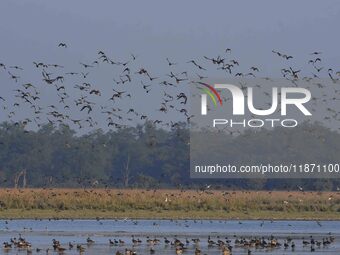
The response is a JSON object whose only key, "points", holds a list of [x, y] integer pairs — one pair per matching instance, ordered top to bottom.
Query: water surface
{"points": [[41, 232]]}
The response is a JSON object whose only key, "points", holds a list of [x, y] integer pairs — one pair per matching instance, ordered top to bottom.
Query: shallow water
{"points": [[41, 232]]}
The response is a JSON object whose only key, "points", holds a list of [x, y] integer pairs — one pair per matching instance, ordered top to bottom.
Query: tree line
{"points": [[146, 156]]}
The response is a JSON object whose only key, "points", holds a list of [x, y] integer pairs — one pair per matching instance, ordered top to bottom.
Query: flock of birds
{"points": [[61, 95], [179, 246]]}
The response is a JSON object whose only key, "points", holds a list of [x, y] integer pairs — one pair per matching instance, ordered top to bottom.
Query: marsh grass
{"points": [[139, 203]]}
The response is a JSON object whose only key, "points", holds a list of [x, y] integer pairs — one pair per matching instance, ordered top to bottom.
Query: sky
{"points": [[157, 29], [154, 30]]}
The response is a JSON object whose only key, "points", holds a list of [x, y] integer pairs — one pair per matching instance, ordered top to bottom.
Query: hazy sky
{"points": [[181, 30]]}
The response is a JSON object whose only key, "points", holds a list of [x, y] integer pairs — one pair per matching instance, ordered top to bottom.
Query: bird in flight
{"points": [[62, 45]]}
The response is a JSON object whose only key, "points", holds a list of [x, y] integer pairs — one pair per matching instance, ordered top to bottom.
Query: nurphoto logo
{"points": [[280, 99]]}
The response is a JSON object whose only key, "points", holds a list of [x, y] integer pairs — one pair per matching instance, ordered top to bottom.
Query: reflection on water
{"points": [[41, 232]]}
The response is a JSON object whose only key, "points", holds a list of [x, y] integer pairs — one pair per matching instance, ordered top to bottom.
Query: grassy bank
{"points": [[113, 203]]}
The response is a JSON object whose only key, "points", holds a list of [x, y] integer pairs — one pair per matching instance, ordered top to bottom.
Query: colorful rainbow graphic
{"points": [[211, 92]]}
